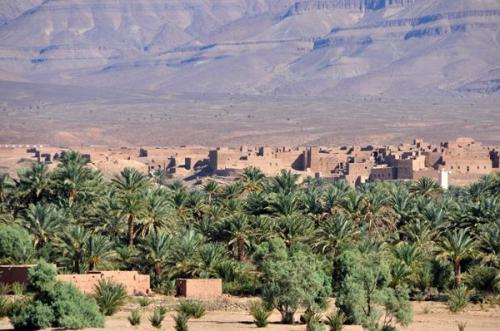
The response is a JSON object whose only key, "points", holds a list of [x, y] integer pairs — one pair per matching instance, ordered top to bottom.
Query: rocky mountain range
{"points": [[257, 47]]}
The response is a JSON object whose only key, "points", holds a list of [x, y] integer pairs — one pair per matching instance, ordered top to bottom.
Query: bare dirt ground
{"points": [[232, 120], [428, 316]]}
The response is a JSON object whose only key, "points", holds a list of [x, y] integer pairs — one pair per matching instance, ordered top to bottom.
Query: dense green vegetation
{"points": [[294, 244], [52, 303]]}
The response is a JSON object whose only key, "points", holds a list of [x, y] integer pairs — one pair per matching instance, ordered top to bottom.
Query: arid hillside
{"points": [[267, 47]]}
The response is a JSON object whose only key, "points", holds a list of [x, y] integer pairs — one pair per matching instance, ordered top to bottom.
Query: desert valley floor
{"points": [[233, 120], [230, 315]]}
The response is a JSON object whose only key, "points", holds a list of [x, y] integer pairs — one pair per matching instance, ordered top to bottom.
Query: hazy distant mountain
{"points": [[313, 47]]}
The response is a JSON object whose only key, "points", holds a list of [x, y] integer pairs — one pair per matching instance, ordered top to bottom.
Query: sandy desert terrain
{"points": [[233, 121], [428, 316]]}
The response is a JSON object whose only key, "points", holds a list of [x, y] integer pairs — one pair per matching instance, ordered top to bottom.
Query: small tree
{"points": [[292, 278], [364, 288], [54, 304]]}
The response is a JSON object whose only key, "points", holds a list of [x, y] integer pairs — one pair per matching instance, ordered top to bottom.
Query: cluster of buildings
{"points": [[459, 162]]}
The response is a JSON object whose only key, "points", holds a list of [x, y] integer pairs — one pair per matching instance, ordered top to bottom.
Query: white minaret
{"points": [[443, 179]]}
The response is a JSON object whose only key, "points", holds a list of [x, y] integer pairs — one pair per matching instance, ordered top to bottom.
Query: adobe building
{"points": [[466, 156], [464, 159], [269, 160], [199, 288]]}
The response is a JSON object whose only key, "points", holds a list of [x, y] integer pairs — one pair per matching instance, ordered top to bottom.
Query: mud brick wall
{"points": [[14, 273], [134, 283], [199, 288]]}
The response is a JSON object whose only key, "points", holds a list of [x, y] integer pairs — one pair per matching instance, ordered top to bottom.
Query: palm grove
{"points": [[373, 248]]}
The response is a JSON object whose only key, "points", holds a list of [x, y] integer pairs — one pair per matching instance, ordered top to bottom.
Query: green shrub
{"points": [[16, 245], [482, 279], [165, 287], [243, 287], [18, 288], [5, 289], [110, 296], [458, 298], [144, 302], [54, 304], [4, 306], [73, 309], [191, 309], [260, 313], [309, 313], [37, 315], [158, 316], [135, 317], [335, 320], [181, 322], [314, 322], [461, 326], [389, 328]]}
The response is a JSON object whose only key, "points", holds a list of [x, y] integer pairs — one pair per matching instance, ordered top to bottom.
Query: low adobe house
{"points": [[135, 283], [199, 288]]}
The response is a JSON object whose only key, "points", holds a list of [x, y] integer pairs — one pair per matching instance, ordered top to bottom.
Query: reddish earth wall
{"points": [[14, 273], [134, 282], [199, 288]]}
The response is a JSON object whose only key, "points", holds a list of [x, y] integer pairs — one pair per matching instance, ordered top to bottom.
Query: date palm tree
{"points": [[252, 179], [75, 181], [131, 181], [285, 182], [34, 184], [7, 187], [426, 187], [130, 188], [211, 190], [232, 191], [334, 195], [180, 200], [401, 202], [257, 203], [313, 203], [284, 204], [196, 205], [354, 205], [131, 207], [158, 210], [485, 211], [378, 216], [43, 222], [294, 228], [239, 231], [420, 232], [333, 233], [73, 244], [489, 244], [455, 246], [155, 249], [99, 250], [184, 255], [211, 257]]}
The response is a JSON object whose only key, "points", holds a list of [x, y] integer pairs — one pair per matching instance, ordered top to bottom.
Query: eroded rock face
{"points": [[318, 47]]}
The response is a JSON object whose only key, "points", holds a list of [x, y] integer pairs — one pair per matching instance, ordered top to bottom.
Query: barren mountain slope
{"points": [[283, 47]]}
